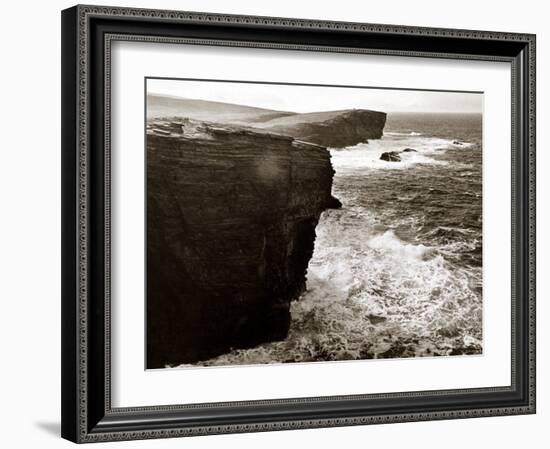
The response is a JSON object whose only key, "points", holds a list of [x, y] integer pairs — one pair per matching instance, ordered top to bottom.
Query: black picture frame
{"points": [[87, 414]]}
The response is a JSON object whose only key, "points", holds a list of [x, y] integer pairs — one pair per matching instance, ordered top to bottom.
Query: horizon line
{"points": [[312, 111]]}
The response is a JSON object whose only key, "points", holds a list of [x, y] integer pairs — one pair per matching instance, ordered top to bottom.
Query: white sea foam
{"points": [[394, 133], [367, 155], [389, 242], [411, 286], [372, 295]]}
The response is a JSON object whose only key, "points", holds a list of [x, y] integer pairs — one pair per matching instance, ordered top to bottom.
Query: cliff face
{"points": [[332, 129], [231, 217]]}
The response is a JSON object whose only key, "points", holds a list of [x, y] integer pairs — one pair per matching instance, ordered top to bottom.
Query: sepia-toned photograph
{"points": [[307, 223]]}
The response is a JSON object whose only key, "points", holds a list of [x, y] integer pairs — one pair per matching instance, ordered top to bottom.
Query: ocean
{"points": [[397, 271]]}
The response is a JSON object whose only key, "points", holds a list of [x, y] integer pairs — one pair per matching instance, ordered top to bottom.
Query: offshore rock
{"points": [[390, 156], [231, 217]]}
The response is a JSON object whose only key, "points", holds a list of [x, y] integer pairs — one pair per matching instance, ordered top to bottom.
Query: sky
{"points": [[303, 98]]}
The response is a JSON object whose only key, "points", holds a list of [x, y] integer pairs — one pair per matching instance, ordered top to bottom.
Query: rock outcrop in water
{"points": [[390, 156], [393, 156], [231, 217]]}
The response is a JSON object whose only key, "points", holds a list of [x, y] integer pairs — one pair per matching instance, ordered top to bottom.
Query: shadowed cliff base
{"points": [[231, 217]]}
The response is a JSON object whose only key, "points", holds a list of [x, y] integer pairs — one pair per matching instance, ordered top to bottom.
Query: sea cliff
{"points": [[331, 129], [231, 217]]}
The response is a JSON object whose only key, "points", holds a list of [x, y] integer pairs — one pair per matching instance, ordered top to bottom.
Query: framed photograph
{"points": [[283, 223]]}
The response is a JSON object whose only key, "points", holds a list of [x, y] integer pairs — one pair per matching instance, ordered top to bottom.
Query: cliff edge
{"points": [[335, 129], [231, 217]]}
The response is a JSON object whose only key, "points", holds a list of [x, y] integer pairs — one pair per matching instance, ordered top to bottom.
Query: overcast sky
{"points": [[313, 98]]}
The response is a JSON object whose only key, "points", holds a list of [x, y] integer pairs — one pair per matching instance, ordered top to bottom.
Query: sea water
{"points": [[397, 271]]}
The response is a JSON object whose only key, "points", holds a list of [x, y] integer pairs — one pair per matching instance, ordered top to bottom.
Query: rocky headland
{"points": [[335, 129], [231, 217]]}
